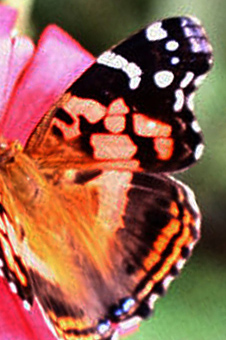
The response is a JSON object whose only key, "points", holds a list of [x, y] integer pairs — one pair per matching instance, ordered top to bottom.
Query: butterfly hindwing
{"points": [[135, 102], [144, 228]]}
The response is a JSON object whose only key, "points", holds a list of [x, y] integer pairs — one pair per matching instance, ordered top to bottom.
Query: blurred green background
{"points": [[195, 306]]}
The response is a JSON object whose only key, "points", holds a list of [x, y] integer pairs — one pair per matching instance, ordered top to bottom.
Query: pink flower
{"points": [[32, 79]]}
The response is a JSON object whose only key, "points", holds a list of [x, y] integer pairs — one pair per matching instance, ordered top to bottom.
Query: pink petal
{"points": [[7, 19], [5, 53], [14, 56], [59, 60], [18, 324]]}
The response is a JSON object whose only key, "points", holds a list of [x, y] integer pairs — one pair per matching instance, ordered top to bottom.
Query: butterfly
{"points": [[92, 226]]}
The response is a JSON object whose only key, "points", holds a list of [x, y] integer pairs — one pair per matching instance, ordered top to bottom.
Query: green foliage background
{"points": [[195, 306]]}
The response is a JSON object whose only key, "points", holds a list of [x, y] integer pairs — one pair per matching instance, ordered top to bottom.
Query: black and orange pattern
{"points": [[92, 226]]}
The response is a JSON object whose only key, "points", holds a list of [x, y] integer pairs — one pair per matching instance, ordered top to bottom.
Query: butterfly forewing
{"points": [[134, 104], [84, 229]]}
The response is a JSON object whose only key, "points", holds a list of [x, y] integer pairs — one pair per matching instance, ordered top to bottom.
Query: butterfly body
{"points": [[92, 226]]}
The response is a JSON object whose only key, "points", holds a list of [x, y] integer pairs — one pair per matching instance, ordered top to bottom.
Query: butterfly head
{"points": [[19, 172]]}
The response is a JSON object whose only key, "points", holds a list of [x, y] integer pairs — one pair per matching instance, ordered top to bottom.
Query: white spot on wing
{"points": [[184, 22], [188, 31], [155, 32], [172, 45], [196, 47], [110, 59], [175, 60], [116, 61], [132, 70], [163, 78], [187, 79], [199, 80], [134, 83], [190, 101], [179, 103], [195, 126], [199, 151], [1, 263], [180, 264], [166, 282], [13, 287], [152, 300], [128, 304], [26, 305], [103, 327]]}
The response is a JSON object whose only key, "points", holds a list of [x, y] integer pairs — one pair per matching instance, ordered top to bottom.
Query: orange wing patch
{"points": [[147, 127], [111, 147], [164, 148]]}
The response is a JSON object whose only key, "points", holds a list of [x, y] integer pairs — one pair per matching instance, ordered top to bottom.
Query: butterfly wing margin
{"points": [[12, 266]]}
